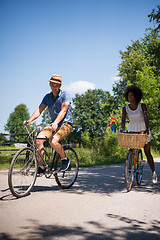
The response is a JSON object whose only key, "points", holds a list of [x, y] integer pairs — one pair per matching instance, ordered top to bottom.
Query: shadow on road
{"points": [[99, 179], [106, 180], [132, 230]]}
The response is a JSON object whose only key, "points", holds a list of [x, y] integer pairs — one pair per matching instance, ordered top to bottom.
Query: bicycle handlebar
{"points": [[26, 124], [35, 130], [133, 132]]}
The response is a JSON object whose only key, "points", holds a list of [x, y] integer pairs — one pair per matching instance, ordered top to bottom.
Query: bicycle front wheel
{"points": [[129, 170], [23, 172], [139, 173], [65, 179]]}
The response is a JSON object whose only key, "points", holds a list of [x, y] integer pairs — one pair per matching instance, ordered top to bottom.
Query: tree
{"points": [[155, 17], [140, 55], [141, 66], [149, 84], [91, 110], [46, 119], [15, 122], [3, 138]]}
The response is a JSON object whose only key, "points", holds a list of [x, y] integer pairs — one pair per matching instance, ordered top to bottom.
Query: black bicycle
{"points": [[24, 166]]}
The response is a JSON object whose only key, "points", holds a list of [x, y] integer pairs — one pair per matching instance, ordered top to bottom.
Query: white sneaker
{"points": [[154, 177]]}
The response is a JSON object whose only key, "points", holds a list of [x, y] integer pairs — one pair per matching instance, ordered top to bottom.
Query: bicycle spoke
{"points": [[129, 171], [22, 173], [139, 173], [65, 179]]}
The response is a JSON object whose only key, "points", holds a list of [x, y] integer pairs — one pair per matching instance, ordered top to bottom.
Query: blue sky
{"points": [[78, 39]]}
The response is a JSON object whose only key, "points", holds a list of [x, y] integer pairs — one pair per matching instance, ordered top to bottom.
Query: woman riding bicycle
{"points": [[137, 114]]}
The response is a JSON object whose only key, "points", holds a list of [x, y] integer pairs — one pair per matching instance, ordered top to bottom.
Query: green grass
{"points": [[155, 154], [6, 156], [87, 157], [91, 157], [5, 162]]}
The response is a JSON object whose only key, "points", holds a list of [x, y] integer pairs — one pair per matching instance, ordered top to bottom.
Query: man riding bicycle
{"points": [[59, 106]]}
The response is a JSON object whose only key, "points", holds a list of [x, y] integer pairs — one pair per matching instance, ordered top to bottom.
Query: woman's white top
{"points": [[137, 122]]}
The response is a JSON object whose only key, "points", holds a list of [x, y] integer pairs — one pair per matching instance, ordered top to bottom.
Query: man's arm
{"points": [[37, 112], [61, 115]]}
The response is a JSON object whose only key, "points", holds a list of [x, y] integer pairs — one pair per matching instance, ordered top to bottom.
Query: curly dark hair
{"points": [[136, 91]]}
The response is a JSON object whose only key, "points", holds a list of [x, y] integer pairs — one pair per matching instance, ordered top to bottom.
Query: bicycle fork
{"points": [[136, 163]]}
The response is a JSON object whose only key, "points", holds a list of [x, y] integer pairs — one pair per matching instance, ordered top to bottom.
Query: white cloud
{"points": [[115, 78], [79, 87]]}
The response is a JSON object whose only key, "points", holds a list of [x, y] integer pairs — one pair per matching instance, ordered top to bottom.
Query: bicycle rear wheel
{"points": [[129, 170], [23, 172], [139, 173], [65, 179]]}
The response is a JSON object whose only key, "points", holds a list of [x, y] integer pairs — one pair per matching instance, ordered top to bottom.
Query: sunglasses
{"points": [[54, 84]]}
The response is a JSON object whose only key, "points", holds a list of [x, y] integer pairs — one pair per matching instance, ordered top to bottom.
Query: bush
{"points": [[85, 138], [110, 146], [106, 151], [85, 156]]}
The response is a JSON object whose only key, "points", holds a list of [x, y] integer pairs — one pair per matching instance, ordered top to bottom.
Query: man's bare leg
{"points": [[54, 142], [40, 145]]}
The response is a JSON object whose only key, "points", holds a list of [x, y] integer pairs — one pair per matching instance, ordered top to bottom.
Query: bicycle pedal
{"points": [[40, 174]]}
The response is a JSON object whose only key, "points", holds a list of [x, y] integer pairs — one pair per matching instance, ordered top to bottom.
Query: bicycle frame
{"points": [[32, 143], [136, 153], [135, 166], [49, 170]]}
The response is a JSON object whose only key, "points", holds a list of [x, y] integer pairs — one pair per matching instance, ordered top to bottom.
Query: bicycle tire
{"points": [[129, 170], [22, 172], [139, 173], [67, 178]]}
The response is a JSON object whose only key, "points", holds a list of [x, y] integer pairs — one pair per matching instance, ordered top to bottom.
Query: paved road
{"points": [[96, 207]]}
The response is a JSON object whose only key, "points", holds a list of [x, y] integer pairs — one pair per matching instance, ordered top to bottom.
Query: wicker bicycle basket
{"points": [[127, 140]]}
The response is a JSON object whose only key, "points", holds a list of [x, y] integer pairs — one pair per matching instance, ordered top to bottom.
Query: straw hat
{"points": [[56, 79]]}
